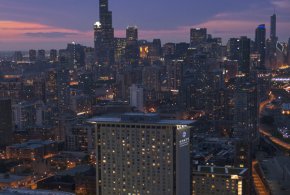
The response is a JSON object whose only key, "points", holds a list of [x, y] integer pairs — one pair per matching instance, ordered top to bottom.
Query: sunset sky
{"points": [[51, 24]]}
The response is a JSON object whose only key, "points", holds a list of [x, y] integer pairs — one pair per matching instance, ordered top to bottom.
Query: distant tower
{"points": [[273, 26], [107, 31], [260, 40], [131, 49], [41, 54], [53, 54], [32, 55], [244, 56], [6, 122]]}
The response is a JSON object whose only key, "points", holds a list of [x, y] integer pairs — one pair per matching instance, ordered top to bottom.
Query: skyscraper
{"points": [[273, 26], [107, 31], [197, 36], [260, 40], [131, 50], [32, 55], [244, 56], [6, 122]]}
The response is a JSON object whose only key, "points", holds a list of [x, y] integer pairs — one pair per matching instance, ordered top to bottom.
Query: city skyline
{"points": [[29, 25]]}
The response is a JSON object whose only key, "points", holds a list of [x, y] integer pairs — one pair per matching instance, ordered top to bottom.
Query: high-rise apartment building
{"points": [[197, 36], [260, 41], [120, 45], [233, 49], [168, 50], [41, 54], [53, 54], [32, 55], [17, 56], [174, 74], [57, 88], [39, 89], [137, 97], [219, 105], [246, 113], [24, 115], [6, 122], [141, 154]]}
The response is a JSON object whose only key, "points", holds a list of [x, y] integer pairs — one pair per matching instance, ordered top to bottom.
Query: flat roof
{"points": [[118, 120], [74, 170], [221, 170], [12, 178], [21, 191]]}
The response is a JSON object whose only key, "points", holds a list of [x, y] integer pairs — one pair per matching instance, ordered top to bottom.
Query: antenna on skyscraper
{"points": [[274, 9], [135, 25]]}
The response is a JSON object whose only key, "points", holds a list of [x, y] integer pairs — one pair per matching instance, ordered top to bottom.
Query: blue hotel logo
{"points": [[184, 134]]}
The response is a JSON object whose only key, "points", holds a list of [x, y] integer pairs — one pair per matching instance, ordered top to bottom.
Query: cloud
{"points": [[282, 4], [49, 34]]}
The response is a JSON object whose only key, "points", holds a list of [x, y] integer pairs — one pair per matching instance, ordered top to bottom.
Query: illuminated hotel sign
{"points": [[184, 140]]}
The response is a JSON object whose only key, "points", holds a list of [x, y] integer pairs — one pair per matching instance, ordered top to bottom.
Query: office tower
{"points": [[107, 32], [197, 37], [260, 41], [120, 45], [132, 50], [168, 50], [181, 50], [143, 51], [234, 51], [41, 54], [53, 54], [32, 55], [17, 56], [244, 56], [66, 59], [231, 68], [174, 74], [151, 77], [215, 79], [127, 80], [85, 82], [57, 88], [39, 89], [191, 95], [137, 97], [219, 105], [246, 113], [24, 115], [6, 122], [141, 154], [220, 180]]}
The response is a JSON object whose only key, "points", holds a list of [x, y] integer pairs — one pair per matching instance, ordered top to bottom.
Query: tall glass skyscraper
{"points": [[260, 40]]}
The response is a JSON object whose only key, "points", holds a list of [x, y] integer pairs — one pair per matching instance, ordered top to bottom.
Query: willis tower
{"points": [[105, 43]]}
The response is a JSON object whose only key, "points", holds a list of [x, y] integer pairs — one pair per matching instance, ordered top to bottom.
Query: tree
{"points": [[268, 120]]}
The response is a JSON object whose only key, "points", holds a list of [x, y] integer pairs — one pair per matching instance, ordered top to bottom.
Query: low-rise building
{"points": [[219, 180], [13, 181]]}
